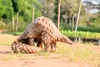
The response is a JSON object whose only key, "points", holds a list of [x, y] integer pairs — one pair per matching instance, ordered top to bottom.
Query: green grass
{"points": [[6, 39], [78, 52]]}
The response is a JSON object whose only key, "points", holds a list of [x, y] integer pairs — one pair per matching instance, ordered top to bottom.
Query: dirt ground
{"points": [[40, 61]]}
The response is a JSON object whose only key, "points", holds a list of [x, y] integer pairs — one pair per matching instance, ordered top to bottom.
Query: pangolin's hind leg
{"points": [[46, 42], [46, 46], [53, 47]]}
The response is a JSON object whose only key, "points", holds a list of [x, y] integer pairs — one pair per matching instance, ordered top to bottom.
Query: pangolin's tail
{"points": [[65, 39], [24, 48]]}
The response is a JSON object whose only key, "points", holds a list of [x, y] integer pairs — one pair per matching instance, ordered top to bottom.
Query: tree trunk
{"points": [[59, 14], [33, 15], [17, 22], [73, 22], [77, 22], [13, 24]]}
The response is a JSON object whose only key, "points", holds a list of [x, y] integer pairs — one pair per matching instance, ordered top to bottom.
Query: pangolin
{"points": [[41, 30]]}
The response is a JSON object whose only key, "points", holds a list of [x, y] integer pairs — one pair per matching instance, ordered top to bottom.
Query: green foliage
{"points": [[9, 8], [25, 8], [47, 8], [68, 8], [6, 9], [37, 13], [95, 21], [2, 25], [65, 26], [9, 27], [21, 28], [81, 34]]}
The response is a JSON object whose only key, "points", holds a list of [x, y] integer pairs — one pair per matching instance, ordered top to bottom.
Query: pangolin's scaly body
{"points": [[41, 30]]}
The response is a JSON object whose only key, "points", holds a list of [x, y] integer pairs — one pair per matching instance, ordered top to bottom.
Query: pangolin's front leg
{"points": [[31, 41], [39, 43]]}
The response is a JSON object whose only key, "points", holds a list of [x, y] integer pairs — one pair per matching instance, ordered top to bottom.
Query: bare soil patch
{"points": [[40, 61]]}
